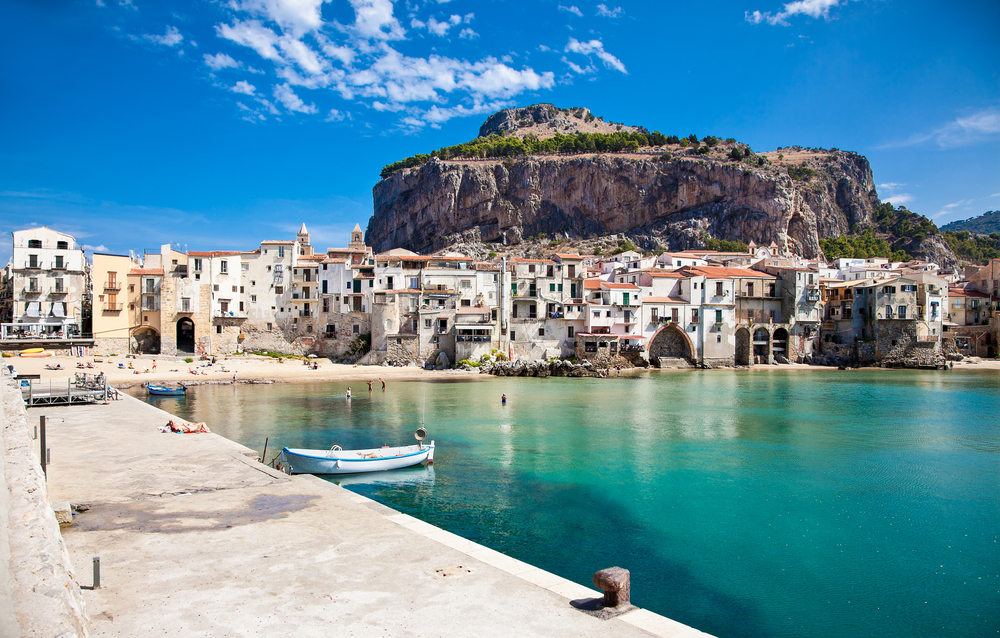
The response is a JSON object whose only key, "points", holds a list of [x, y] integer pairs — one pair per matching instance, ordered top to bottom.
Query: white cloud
{"points": [[811, 8], [572, 9], [603, 10], [294, 16], [374, 20], [441, 28], [253, 34], [468, 34], [171, 38], [542, 47], [595, 47], [220, 61], [577, 68], [243, 87], [284, 94], [338, 116], [976, 127], [890, 186], [995, 195], [902, 198], [947, 209], [96, 249]]}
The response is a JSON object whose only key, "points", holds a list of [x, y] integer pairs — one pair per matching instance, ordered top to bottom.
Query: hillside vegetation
{"points": [[986, 224], [900, 226]]}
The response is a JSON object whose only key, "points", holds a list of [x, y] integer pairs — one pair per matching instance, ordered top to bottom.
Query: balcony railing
{"points": [[34, 266], [57, 266], [112, 285], [32, 291], [57, 293], [113, 307], [307, 313], [228, 314], [556, 315], [625, 348]]}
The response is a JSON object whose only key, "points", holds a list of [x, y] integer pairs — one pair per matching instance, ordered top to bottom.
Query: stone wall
{"points": [[897, 344], [104, 347], [402, 349], [47, 600]]}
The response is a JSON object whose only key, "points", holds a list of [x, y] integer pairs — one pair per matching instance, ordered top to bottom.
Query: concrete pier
{"points": [[196, 538]]}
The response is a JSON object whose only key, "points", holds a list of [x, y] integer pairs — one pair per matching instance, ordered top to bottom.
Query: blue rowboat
{"points": [[165, 391], [338, 461]]}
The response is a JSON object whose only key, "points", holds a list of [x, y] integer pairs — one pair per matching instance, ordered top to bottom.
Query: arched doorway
{"points": [[185, 335], [146, 340], [670, 343], [779, 343], [761, 345], [742, 347]]}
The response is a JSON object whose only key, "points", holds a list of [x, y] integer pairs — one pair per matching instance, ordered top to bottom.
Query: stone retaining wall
{"points": [[46, 598]]}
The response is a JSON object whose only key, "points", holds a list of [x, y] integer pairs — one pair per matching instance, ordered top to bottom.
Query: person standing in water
{"points": [[383, 383], [369, 385], [348, 393], [503, 399]]}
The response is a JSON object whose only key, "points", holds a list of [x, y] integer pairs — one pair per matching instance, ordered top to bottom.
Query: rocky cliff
{"points": [[670, 196]]}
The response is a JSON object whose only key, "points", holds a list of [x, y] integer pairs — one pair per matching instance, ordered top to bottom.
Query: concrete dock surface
{"points": [[196, 538]]}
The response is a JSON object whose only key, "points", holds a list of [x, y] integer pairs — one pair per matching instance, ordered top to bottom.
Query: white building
{"points": [[49, 285]]}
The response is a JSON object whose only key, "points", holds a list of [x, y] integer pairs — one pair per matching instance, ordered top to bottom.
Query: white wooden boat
{"points": [[338, 461]]}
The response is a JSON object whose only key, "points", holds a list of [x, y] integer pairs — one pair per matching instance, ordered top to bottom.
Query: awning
{"points": [[34, 309], [58, 309], [627, 337]]}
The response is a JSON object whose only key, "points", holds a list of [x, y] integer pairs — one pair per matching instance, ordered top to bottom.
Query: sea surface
{"points": [[766, 503]]}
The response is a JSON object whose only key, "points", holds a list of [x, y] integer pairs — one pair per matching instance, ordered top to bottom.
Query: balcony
{"points": [[29, 265], [59, 266], [112, 286], [32, 292], [58, 293], [812, 295], [301, 297], [112, 307], [307, 313], [224, 314], [556, 315], [625, 348]]}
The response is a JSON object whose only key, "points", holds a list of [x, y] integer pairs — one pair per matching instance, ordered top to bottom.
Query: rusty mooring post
{"points": [[43, 451], [97, 572], [614, 582]]}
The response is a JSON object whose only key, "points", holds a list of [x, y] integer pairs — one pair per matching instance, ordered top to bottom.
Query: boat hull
{"points": [[165, 392], [301, 461]]}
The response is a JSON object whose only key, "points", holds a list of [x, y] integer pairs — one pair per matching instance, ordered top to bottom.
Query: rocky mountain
{"points": [[671, 195]]}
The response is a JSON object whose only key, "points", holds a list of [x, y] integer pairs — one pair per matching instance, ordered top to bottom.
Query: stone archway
{"points": [[185, 335], [147, 340], [670, 342], [779, 343], [761, 345], [742, 347]]}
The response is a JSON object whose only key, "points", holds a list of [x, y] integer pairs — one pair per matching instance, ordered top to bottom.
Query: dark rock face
{"points": [[674, 203]]}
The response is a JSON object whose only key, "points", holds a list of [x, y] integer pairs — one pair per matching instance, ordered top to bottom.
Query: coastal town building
{"points": [[48, 285], [114, 302]]}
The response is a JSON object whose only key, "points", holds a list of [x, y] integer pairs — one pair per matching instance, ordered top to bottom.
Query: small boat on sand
{"points": [[160, 390], [340, 461]]}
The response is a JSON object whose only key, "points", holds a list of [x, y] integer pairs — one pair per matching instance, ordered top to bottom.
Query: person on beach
{"points": [[154, 365], [234, 377], [383, 383], [369, 385], [348, 393], [503, 399]]}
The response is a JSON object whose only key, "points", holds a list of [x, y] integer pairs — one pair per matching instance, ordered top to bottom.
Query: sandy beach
{"points": [[256, 369], [122, 371]]}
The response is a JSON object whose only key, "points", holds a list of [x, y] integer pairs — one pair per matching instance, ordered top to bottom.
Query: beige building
{"points": [[113, 303]]}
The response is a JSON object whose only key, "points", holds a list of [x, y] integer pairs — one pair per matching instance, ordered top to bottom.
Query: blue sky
{"points": [[214, 124]]}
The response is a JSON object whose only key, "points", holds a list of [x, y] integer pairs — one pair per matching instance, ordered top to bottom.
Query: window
{"points": [[34, 243], [61, 245], [281, 251], [32, 261], [59, 261], [197, 265], [223, 266], [244, 266], [531, 267], [548, 271], [571, 271], [325, 282], [388, 283], [414, 283], [466, 283], [59, 285], [348, 285], [215, 287], [552, 287], [559, 287], [234, 289], [513, 289], [718, 289], [750, 289], [279, 290], [770, 290], [253, 298], [466, 302], [185, 304], [902, 312], [597, 314], [653, 314], [694, 315], [718, 316], [427, 324], [269, 327], [309, 328], [218, 329], [356, 329], [569, 329], [541, 332], [513, 336], [718, 338]]}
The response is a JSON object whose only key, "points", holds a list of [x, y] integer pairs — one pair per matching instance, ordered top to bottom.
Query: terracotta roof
{"points": [[276, 241], [214, 253], [569, 256], [312, 257], [411, 257], [520, 260], [146, 271], [656, 272], [713, 272], [593, 283], [613, 286], [966, 292], [663, 300], [472, 310]]}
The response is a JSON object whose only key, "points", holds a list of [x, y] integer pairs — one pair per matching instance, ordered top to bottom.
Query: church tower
{"points": [[302, 239]]}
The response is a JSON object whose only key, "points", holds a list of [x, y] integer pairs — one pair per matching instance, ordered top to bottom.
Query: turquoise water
{"points": [[744, 503]]}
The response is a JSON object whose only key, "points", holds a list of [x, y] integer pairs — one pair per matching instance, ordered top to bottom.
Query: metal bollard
{"points": [[42, 449], [97, 572], [614, 582]]}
